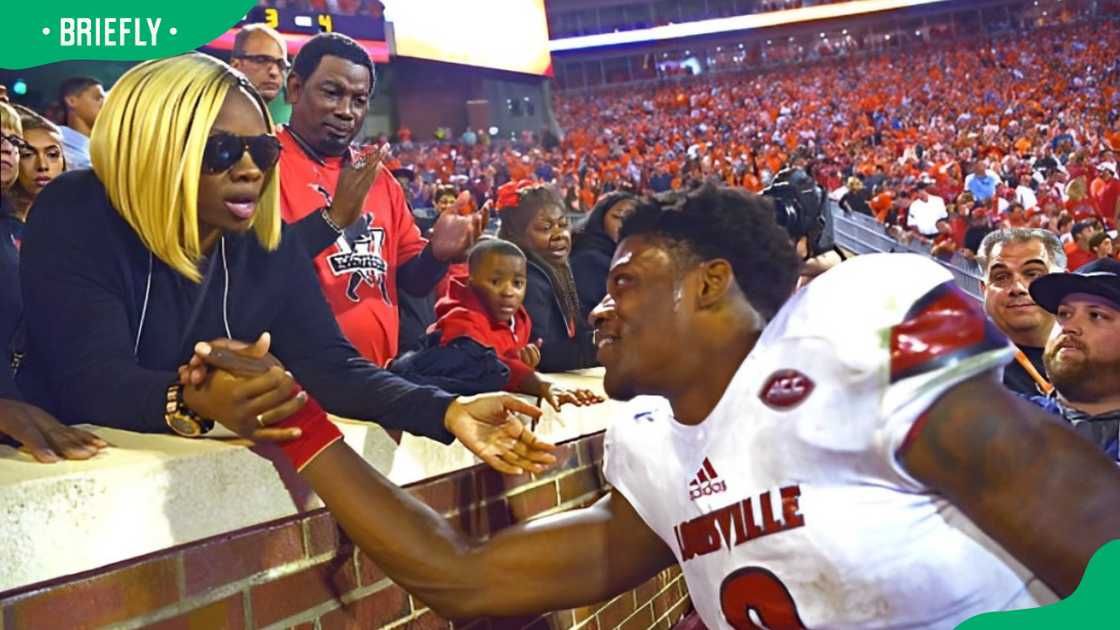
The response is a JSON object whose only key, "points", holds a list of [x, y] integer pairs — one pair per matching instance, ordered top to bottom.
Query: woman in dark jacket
{"points": [[857, 198], [533, 218], [174, 238], [593, 244]]}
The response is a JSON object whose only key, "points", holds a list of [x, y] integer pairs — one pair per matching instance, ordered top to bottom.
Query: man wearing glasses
{"points": [[262, 56]]}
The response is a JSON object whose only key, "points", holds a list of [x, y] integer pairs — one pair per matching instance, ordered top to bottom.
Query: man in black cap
{"points": [[1083, 355]]}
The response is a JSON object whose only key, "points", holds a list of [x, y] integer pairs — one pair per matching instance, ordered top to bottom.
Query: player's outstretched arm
{"points": [[1049, 497], [557, 562]]}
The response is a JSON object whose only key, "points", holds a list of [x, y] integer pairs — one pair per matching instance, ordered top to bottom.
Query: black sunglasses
{"points": [[281, 63], [223, 150]]}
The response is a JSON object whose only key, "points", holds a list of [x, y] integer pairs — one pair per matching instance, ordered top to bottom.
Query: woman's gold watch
{"points": [[180, 418]]}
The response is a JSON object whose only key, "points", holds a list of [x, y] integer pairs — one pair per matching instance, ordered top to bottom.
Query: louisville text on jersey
{"points": [[735, 524]]}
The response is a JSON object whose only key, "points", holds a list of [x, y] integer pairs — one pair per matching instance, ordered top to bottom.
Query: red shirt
{"points": [[1105, 196], [1079, 257], [358, 272], [461, 314]]}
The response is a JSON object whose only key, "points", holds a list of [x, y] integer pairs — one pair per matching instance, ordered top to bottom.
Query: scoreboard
{"points": [[365, 27]]}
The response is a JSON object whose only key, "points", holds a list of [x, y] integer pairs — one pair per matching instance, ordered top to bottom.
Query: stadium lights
{"points": [[737, 23]]}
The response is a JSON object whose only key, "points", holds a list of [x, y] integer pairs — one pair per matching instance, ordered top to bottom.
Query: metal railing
{"points": [[862, 234]]}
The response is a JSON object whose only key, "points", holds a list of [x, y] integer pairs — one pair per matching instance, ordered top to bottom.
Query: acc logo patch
{"points": [[785, 389]]}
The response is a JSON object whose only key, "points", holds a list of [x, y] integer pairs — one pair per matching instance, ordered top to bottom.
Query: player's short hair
{"points": [[241, 40], [334, 44], [72, 87], [717, 222], [492, 246], [1055, 252]]}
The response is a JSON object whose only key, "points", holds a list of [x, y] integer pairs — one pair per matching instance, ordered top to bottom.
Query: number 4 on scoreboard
{"points": [[326, 23], [755, 588]]}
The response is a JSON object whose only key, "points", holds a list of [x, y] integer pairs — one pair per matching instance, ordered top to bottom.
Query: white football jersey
{"points": [[787, 506]]}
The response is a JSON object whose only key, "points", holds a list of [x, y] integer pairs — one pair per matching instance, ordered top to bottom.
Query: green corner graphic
{"points": [[38, 33], [1092, 605]]}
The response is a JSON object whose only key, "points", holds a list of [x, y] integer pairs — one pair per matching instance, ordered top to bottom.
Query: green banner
{"points": [[37, 33], [1092, 605]]}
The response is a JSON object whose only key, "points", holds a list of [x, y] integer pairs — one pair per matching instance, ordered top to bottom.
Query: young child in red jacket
{"points": [[486, 307]]}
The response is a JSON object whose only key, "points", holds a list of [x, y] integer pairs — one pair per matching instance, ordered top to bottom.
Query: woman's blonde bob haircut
{"points": [[147, 146]]}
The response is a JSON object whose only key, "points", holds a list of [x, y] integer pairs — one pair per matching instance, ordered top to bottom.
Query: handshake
{"points": [[246, 389]]}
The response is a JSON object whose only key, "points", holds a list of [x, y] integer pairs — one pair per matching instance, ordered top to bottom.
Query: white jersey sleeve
{"points": [[901, 334]]}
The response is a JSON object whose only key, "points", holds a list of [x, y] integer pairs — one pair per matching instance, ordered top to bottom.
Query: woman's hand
{"points": [[236, 357], [249, 392], [247, 405], [488, 426], [45, 437]]}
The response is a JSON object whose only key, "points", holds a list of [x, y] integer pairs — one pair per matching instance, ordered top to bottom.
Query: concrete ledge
{"points": [[151, 492]]}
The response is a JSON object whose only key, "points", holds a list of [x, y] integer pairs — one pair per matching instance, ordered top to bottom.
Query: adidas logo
{"points": [[706, 482]]}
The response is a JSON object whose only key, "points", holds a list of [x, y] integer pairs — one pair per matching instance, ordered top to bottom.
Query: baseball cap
{"points": [[1100, 277]]}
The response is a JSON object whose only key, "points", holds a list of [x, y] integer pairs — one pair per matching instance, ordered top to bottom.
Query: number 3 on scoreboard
{"points": [[272, 17], [755, 588]]}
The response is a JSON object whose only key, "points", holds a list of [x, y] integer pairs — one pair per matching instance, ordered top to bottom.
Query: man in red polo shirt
{"points": [[350, 213]]}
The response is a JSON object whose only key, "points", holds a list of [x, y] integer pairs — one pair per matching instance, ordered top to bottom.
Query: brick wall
{"points": [[304, 573]]}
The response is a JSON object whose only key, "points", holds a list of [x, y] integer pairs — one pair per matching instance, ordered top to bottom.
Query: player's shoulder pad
{"points": [[866, 294]]}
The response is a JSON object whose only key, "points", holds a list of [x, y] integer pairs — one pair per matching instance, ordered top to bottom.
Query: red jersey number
{"points": [[755, 588]]}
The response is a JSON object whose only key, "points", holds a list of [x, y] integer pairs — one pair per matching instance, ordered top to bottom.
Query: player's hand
{"points": [[357, 176], [454, 233], [531, 354], [236, 357], [559, 396], [489, 427], [45, 437]]}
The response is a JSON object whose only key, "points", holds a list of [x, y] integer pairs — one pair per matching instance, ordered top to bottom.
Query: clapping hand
{"points": [[354, 182], [454, 233]]}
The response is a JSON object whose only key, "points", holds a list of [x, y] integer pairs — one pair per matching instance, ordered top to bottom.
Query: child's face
{"points": [[499, 281]]}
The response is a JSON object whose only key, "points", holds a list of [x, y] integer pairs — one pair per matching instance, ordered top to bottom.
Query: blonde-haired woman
{"points": [[857, 198], [174, 238]]}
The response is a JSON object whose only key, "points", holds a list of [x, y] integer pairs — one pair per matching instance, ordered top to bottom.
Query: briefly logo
{"points": [[786, 389], [706, 482]]}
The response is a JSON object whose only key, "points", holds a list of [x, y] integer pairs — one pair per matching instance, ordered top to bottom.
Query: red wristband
{"points": [[317, 434]]}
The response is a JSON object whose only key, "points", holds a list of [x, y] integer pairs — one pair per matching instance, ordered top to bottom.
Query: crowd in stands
{"points": [[1019, 131], [950, 145]]}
